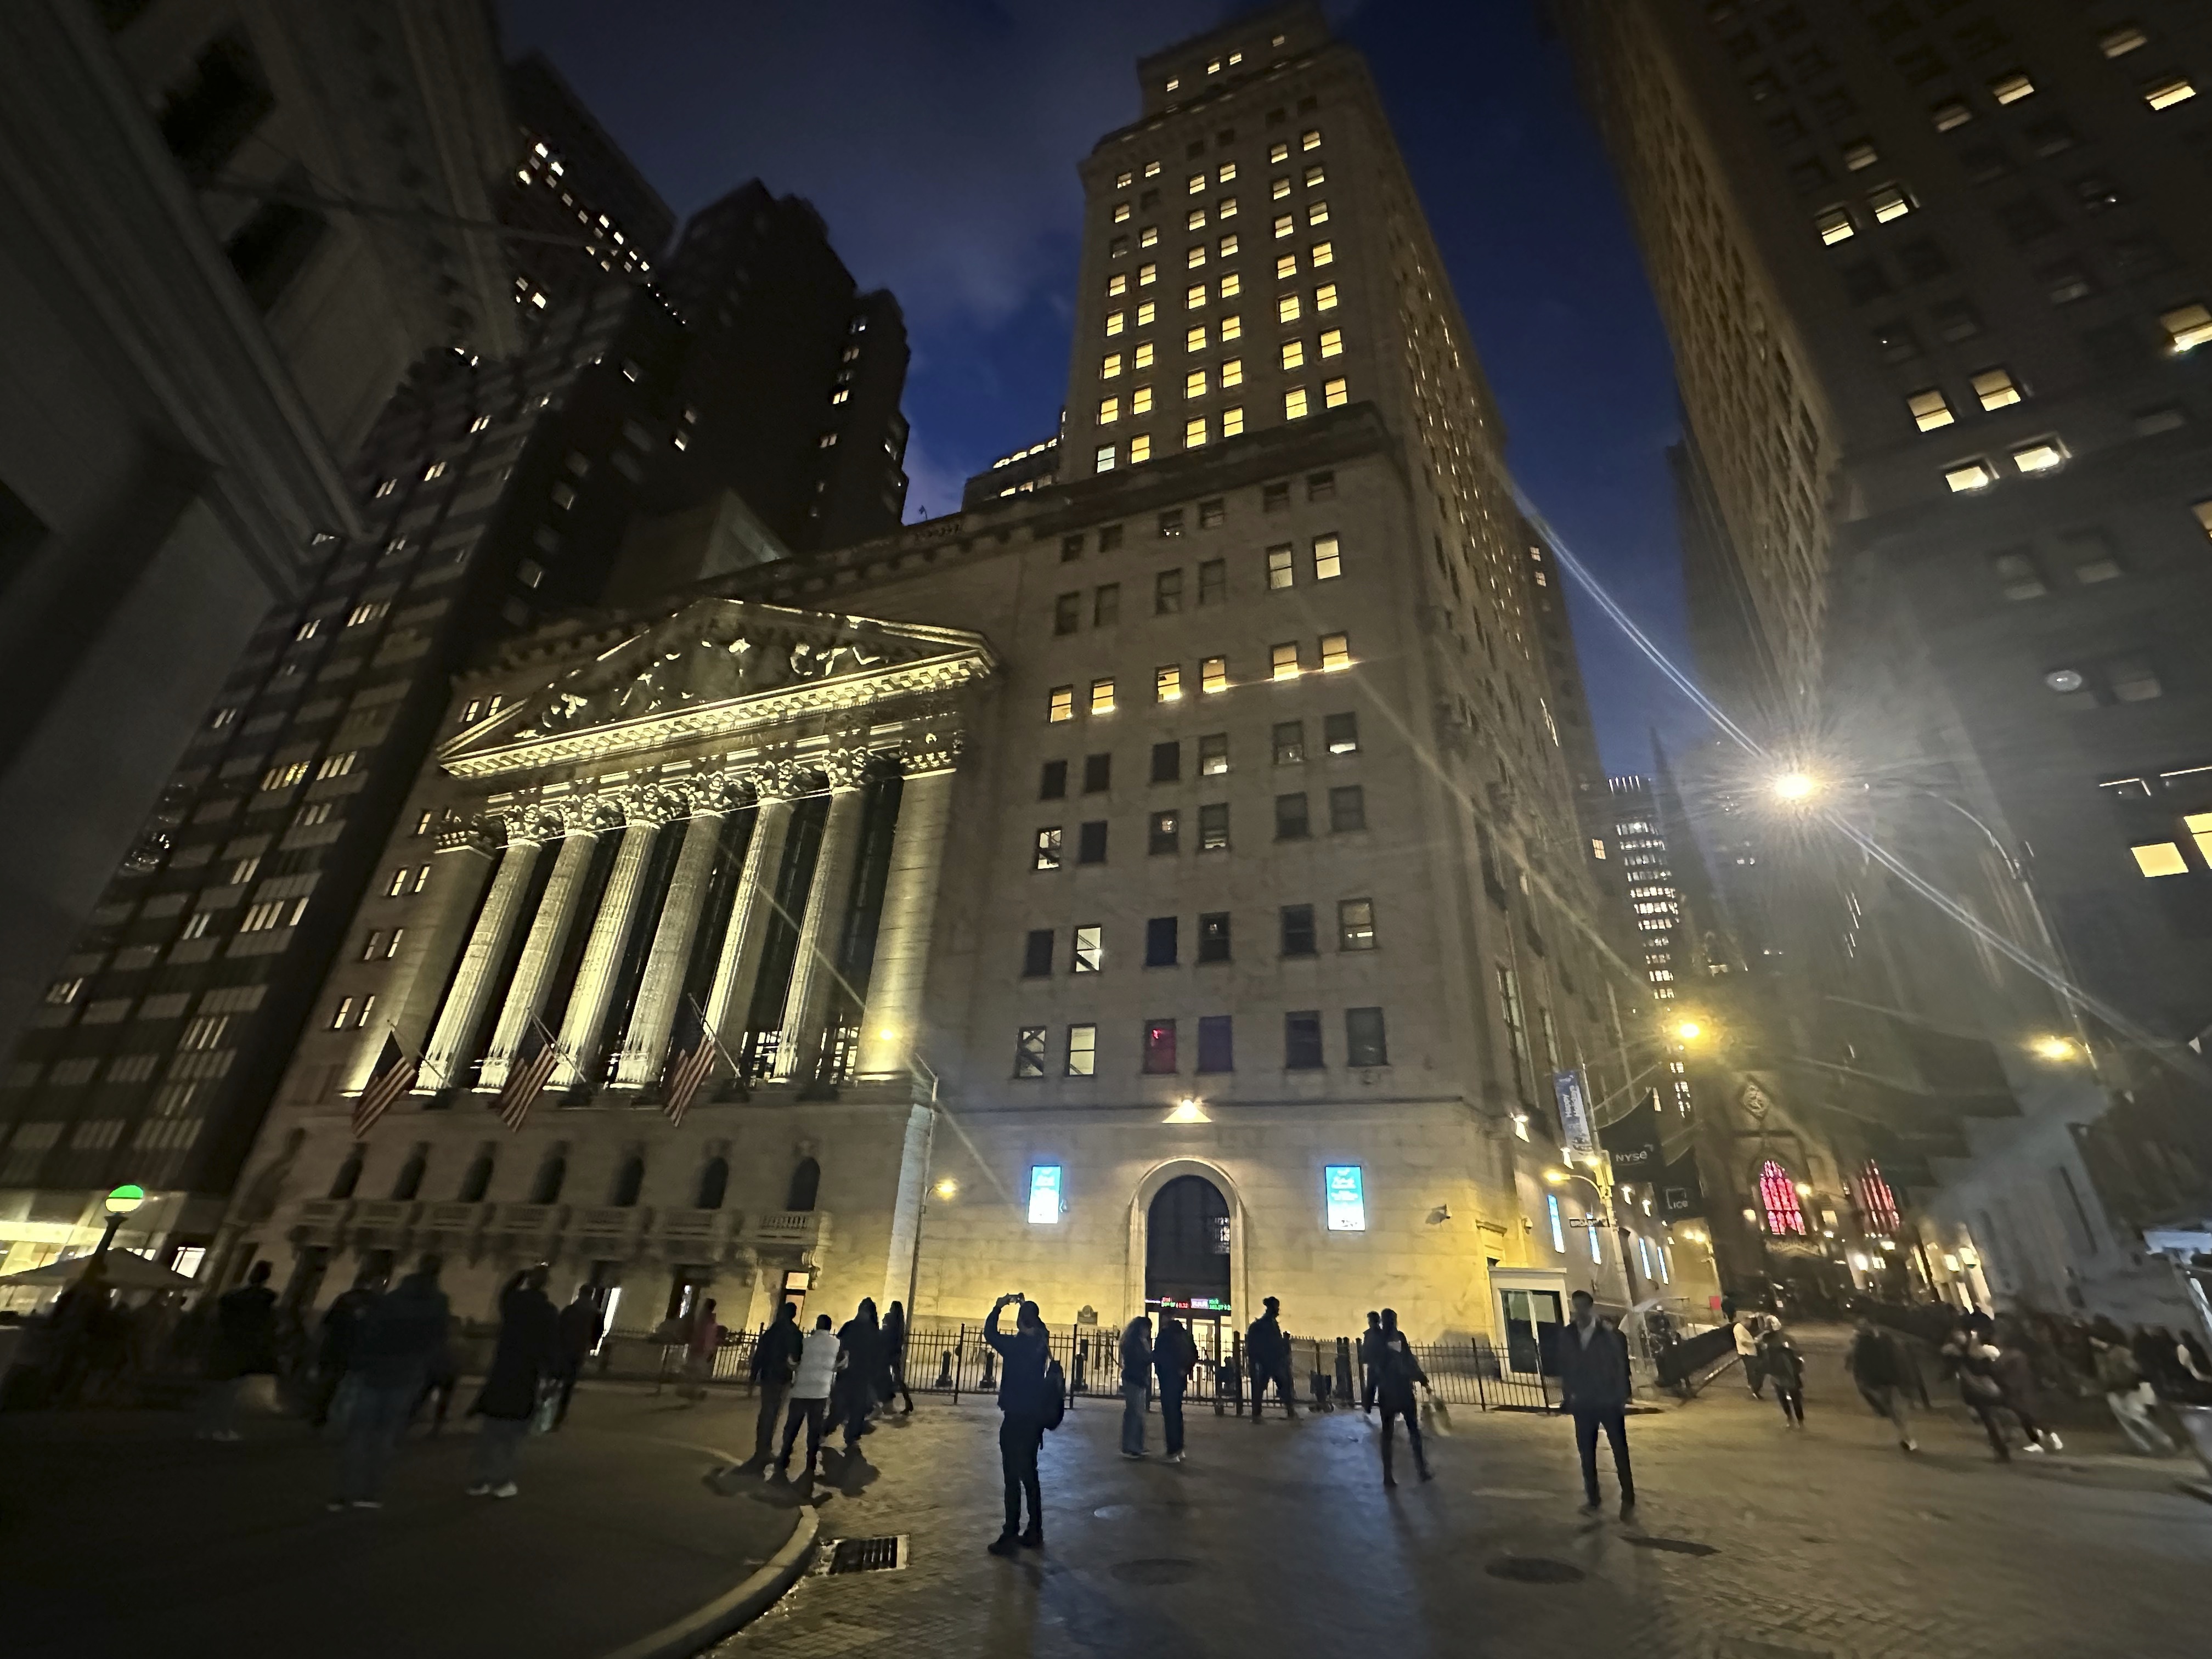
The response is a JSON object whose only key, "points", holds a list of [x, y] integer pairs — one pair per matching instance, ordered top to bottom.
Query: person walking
{"points": [[583, 1322], [1747, 1330], [1368, 1338], [334, 1340], [701, 1343], [860, 1344], [245, 1346], [525, 1354], [1268, 1354], [1174, 1356], [390, 1359], [1779, 1360], [775, 1361], [1973, 1367], [2013, 1368], [1878, 1369], [1396, 1371], [2120, 1376], [812, 1381], [894, 1383], [1136, 1383], [1594, 1390], [1026, 1409]]}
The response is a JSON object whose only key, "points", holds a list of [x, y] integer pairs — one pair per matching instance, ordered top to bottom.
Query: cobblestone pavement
{"points": [[122, 1535], [1752, 1541]]}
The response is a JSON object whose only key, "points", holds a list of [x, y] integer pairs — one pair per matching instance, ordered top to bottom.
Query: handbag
{"points": [[548, 1407]]}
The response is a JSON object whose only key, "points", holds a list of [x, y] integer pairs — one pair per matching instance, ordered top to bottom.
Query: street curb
{"points": [[700, 1629]]}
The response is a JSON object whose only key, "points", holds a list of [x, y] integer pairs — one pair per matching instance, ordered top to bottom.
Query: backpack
{"points": [[1055, 1394]]}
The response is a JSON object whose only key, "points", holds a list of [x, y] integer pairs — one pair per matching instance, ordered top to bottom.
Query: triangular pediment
{"points": [[715, 667]]}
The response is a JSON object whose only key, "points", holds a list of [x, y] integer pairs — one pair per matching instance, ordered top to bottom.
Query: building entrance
{"points": [[1186, 1261]]}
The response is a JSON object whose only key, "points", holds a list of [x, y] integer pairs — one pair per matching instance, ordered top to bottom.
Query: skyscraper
{"points": [[1936, 278], [1170, 875]]}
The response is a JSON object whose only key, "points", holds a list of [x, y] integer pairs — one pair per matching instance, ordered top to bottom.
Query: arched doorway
{"points": [[1187, 1259]]}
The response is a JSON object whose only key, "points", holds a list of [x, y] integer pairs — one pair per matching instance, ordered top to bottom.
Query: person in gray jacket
{"points": [[1594, 1390]]}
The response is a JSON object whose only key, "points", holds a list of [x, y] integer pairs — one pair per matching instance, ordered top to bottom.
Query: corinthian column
{"points": [[548, 929], [603, 951], [813, 968], [731, 996], [891, 1025], [454, 1034], [646, 1042]]}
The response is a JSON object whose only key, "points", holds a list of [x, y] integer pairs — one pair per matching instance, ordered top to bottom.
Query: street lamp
{"points": [[1793, 786], [2056, 1049], [1188, 1110], [1560, 1177], [947, 1188], [120, 1203]]}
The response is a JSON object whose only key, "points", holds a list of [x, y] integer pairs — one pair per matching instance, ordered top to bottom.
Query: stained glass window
{"points": [[1778, 1194], [1877, 1202]]}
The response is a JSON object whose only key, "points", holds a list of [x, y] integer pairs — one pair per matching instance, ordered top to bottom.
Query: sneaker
{"points": [[2053, 1441], [1910, 1445], [2035, 1446], [1132, 1455], [1175, 1458], [1427, 1475], [1389, 1480], [506, 1489], [365, 1503], [1628, 1505], [1033, 1539], [1005, 1543]]}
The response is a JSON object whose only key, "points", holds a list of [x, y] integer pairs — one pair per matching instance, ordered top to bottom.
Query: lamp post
{"points": [[1604, 1191], [121, 1202]]}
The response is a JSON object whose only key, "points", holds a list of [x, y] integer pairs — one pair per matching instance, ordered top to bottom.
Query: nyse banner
{"points": [[1574, 1112], [1634, 1141]]}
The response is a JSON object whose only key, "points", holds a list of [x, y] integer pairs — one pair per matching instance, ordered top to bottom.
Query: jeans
{"points": [[1279, 1374], [772, 1396], [1134, 1396], [1792, 1397], [815, 1414], [1171, 1416], [1614, 1421], [371, 1430], [1413, 1435], [1019, 1439], [498, 1440]]}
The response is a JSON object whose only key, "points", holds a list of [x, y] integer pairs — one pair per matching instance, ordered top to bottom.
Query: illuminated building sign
{"points": [[1044, 1194], [1347, 1197]]}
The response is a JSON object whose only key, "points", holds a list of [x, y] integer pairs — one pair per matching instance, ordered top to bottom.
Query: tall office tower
{"points": [[588, 212], [1937, 279], [201, 328], [797, 372], [1190, 837], [1648, 878]]}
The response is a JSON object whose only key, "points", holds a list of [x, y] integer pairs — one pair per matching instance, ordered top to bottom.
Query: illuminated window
{"points": [[2120, 42], [2012, 87], [2166, 93], [1310, 139], [1278, 152], [1860, 155], [1152, 169], [1226, 174], [1194, 183], [1278, 190], [1888, 202], [1226, 209], [1120, 210], [1317, 214], [1195, 220], [1285, 224], [1835, 225], [1226, 247], [1321, 254], [1195, 256], [1286, 266], [1147, 275], [1117, 284], [1230, 286], [1194, 297], [1325, 297], [1286, 308], [1145, 313], [1117, 321], [2186, 327], [1232, 328], [1332, 343], [1294, 354], [1143, 360], [1109, 366], [1232, 373], [1193, 384], [1997, 389], [1334, 394], [1294, 403], [1109, 410], [1929, 411], [1232, 422], [1194, 433], [1141, 449], [2044, 455], [1103, 460], [435, 470], [1970, 476], [1328, 564], [1280, 570], [1335, 651], [1214, 675], [1167, 682], [1102, 697], [1060, 704], [2199, 825], [1048, 849], [2160, 858], [1355, 924], [1082, 1046], [1160, 1048], [1044, 1178], [1778, 1194], [1876, 1202], [1559, 1232]]}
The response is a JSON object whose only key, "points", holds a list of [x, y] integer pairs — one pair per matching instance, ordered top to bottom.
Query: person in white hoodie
{"points": [[810, 1396]]}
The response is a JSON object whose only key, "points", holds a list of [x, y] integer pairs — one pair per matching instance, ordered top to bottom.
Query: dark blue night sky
{"points": [[939, 138]]}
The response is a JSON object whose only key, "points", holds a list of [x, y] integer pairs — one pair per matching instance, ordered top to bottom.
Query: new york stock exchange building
{"points": [[1121, 894]]}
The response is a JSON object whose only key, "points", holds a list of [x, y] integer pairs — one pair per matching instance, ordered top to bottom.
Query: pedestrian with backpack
{"points": [[1031, 1398]]}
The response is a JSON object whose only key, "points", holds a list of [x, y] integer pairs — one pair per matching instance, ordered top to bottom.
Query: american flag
{"points": [[690, 1061], [527, 1074], [394, 1075]]}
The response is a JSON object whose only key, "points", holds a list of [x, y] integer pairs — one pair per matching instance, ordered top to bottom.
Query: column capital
{"points": [[935, 750], [848, 768], [721, 792], [655, 804]]}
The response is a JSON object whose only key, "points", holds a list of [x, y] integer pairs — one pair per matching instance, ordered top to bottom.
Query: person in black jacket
{"points": [[583, 1322], [341, 1330], [1367, 1340], [862, 1343], [245, 1346], [527, 1353], [1174, 1356], [1267, 1356], [391, 1357], [776, 1361], [1395, 1372], [894, 1380], [1594, 1390], [1024, 1408]]}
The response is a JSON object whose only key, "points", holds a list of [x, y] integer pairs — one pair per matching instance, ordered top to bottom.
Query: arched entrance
{"points": [[1187, 1237]]}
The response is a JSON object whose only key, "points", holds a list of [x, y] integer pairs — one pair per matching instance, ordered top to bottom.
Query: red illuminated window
{"points": [[1779, 1194], [1877, 1202]]}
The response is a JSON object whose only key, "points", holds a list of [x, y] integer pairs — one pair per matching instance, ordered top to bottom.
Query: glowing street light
{"points": [[1793, 786], [1688, 1030], [2056, 1049], [1188, 1110], [947, 1187], [120, 1203]]}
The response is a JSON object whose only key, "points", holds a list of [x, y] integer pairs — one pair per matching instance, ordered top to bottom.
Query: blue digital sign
{"points": [[1344, 1191]]}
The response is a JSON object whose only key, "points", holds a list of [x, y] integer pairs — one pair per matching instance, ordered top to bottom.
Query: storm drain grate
{"points": [[1678, 1546], [867, 1554], [1534, 1570]]}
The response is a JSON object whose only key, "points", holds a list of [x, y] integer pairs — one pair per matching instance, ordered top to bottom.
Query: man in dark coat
{"points": [[583, 1322], [340, 1330], [1368, 1338], [861, 1341], [245, 1346], [528, 1348], [1268, 1356], [391, 1358], [776, 1358], [1174, 1358], [1397, 1371], [1881, 1371], [894, 1381], [1594, 1390], [1024, 1408]]}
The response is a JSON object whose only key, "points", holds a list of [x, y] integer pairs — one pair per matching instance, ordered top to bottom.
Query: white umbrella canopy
{"points": [[118, 1269]]}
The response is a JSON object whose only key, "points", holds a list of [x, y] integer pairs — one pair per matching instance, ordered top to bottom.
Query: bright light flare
{"points": [[1795, 785], [2054, 1048]]}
